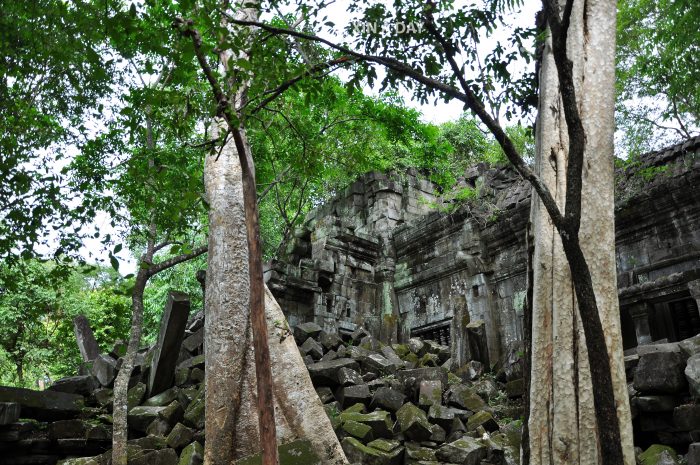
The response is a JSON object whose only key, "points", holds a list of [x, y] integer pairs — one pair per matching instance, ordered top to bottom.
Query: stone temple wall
{"points": [[393, 256]]}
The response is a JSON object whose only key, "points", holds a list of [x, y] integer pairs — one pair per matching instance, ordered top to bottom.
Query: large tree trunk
{"points": [[232, 420], [232, 425], [562, 426]]}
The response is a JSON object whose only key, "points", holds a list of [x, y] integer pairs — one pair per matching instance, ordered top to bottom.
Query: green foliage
{"points": [[658, 84], [38, 318]]}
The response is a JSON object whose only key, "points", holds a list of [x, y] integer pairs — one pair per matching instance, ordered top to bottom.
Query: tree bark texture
{"points": [[232, 420], [563, 427]]}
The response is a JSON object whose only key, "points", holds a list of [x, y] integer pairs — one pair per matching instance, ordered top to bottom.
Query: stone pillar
{"points": [[694, 288], [386, 297], [640, 315], [172, 332], [459, 338], [87, 343]]}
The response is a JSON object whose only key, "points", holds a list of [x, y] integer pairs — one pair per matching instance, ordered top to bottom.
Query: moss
{"points": [[293, 453], [653, 453]]}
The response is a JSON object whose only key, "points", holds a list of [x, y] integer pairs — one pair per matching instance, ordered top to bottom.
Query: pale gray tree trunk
{"points": [[562, 423]]}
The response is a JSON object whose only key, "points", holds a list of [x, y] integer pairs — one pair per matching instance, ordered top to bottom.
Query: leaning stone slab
{"points": [[172, 332], [87, 343], [104, 368], [326, 373], [83, 385], [43, 405], [9, 412], [140, 417], [413, 423]]}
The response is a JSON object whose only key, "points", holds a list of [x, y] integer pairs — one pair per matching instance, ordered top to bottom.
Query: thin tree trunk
{"points": [[121, 385], [570, 423]]}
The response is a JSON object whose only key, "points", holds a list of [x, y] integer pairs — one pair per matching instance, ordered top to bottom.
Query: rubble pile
{"points": [[664, 387], [400, 404]]}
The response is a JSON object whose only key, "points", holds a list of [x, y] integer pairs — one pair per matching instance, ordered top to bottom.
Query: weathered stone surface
{"points": [[306, 330], [170, 336], [329, 341], [194, 342], [87, 344], [690, 346], [312, 348], [378, 364], [104, 368], [660, 372], [326, 373], [692, 374], [349, 377], [411, 378], [83, 385], [515, 388], [429, 393], [135, 395], [349, 395], [463, 396], [164, 398], [388, 399], [655, 403], [43, 405], [9, 412], [172, 413], [140, 417], [687, 417], [484, 419], [380, 421], [413, 422], [159, 427], [358, 430], [180, 436], [467, 451], [298, 452], [357, 452], [193, 454], [418, 454], [658, 454], [693, 455], [158, 457]]}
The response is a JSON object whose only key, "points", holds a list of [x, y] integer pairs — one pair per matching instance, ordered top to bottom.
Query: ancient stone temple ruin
{"points": [[391, 255]]}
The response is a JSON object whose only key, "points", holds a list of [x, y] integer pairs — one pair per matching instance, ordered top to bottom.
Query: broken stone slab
{"points": [[304, 331], [170, 337], [330, 341], [194, 342], [87, 344], [417, 346], [690, 346], [312, 348], [330, 355], [392, 357], [194, 362], [377, 363], [104, 368], [660, 372], [326, 373], [692, 375], [349, 377], [411, 379], [83, 385], [515, 388], [429, 393], [325, 394], [135, 395], [350, 395], [464, 397], [164, 398], [388, 399], [655, 403], [43, 405], [9, 412], [441, 415], [140, 417], [687, 417], [483, 419], [379, 421], [413, 423], [358, 430], [180, 436], [467, 451], [299, 452], [356, 452], [415, 453], [193, 454], [693, 455], [165, 456]]}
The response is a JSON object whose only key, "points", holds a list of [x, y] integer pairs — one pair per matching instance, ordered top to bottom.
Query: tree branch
{"points": [[158, 267]]}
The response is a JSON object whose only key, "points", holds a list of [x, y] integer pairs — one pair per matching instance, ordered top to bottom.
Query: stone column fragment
{"points": [[172, 332], [87, 343]]}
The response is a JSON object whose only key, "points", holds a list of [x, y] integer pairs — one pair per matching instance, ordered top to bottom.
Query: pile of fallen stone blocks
{"points": [[664, 388], [399, 404], [71, 421]]}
